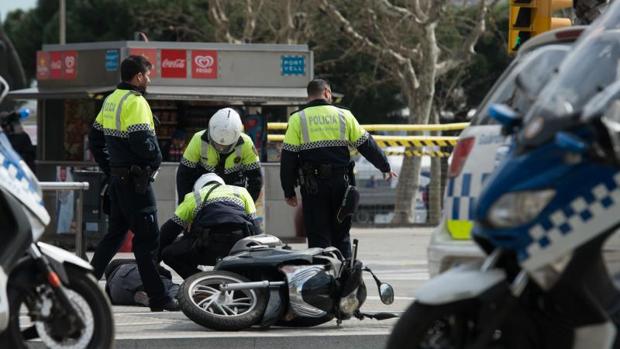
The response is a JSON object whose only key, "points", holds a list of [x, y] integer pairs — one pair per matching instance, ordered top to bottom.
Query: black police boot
{"points": [[171, 305]]}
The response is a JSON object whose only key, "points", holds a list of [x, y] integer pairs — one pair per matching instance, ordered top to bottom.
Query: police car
{"points": [[479, 146]]}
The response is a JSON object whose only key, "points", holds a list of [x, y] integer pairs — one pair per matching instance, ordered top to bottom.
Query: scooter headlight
{"points": [[517, 208]]}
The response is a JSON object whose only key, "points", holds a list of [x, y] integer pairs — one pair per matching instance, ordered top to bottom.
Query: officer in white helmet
{"points": [[222, 149]]}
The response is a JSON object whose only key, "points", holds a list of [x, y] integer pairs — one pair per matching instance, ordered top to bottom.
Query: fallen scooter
{"points": [[262, 283]]}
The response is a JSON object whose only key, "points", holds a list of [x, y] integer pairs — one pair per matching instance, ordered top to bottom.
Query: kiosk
{"points": [[189, 82]]}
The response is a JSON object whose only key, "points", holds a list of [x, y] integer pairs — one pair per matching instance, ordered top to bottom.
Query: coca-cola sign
{"points": [[173, 64], [204, 64], [56, 65]]}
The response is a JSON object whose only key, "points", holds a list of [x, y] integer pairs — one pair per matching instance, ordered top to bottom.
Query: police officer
{"points": [[124, 145], [223, 149], [316, 152], [219, 215]]}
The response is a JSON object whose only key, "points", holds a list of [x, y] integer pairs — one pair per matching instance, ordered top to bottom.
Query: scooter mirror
{"points": [[386, 293]]}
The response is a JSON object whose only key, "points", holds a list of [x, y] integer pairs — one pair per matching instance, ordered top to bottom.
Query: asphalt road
{"points": [[397, 255]]}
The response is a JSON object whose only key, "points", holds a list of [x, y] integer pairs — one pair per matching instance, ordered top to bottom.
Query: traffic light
{"points": [[532, 17]]}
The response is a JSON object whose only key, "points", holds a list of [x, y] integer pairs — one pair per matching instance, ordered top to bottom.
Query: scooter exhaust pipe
{"points": [[251, 285]]}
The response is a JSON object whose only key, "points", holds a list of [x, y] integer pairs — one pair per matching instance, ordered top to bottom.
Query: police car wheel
{"points": [[202, 300]]}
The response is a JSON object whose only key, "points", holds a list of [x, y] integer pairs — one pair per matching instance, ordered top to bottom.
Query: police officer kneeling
{"points": [[124, 145], [214, 216]]}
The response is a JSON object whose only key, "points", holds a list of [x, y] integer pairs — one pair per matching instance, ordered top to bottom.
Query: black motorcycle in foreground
{"points": [[262, 283]]}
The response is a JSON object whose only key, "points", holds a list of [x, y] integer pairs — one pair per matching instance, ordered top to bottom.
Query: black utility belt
{"points": [[324, 170], [133, 171], [140, 177]]}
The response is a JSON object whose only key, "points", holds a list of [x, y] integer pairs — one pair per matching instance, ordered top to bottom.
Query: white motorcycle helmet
{"points": [[225, 128], [206, 179], [202, 181]]}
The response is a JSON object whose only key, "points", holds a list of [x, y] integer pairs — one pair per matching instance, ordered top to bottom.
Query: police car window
{"points": [[534, 70]]}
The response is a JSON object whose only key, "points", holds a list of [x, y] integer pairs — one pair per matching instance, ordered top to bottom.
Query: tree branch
{"points": [[398, 12], [251, 14], [222, 24], [347, 28], [467, 50]]}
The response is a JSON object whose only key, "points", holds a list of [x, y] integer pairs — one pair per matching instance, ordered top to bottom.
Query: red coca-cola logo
{"points": [[177, 63], [173, 64], [204, 64], [56, 65]]}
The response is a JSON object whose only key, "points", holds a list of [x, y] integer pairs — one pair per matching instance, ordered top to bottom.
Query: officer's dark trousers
{"points": [[320, 210], [138, 212], [186, 254]]}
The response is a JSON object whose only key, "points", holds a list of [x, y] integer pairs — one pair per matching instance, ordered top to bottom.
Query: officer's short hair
{"points": [[133, 65], [316, 87]]}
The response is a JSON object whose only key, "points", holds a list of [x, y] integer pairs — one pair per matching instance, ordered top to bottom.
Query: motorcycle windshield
{"points": [[592, 67], [588, 70], [18, 180]]}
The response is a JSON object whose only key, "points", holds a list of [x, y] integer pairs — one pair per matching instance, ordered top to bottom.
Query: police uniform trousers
{"points": [[320, 210], [138, 212], [188, 252]]}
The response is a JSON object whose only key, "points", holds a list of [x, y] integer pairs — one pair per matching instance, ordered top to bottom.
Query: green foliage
{"points": [[368, 87]]}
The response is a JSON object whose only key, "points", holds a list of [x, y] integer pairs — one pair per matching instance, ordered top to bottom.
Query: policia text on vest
{"points": [[124, 145], [315, 155]]}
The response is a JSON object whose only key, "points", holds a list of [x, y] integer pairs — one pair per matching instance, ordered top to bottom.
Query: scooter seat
{"points": [[261, 256]]}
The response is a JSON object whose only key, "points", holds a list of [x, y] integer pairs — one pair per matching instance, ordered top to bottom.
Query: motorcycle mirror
{"points": [[505, 115], [570, 143], [386, 293]]}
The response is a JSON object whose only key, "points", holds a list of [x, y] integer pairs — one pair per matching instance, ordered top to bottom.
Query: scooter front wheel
{"points": [[204, 302]]}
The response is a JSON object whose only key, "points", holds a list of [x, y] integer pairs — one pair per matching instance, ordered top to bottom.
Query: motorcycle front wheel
{"points": [[86, 297], [202, 300], [449, 326]]}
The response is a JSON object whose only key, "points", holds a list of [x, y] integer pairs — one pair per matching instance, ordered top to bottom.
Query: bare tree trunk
{"points": [[420, 96], [405, 190]]}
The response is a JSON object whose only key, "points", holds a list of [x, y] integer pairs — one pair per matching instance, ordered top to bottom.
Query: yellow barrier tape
{"points": [[392, 127], [398, 141], [416, 141], [409, 153], [414, 153]]}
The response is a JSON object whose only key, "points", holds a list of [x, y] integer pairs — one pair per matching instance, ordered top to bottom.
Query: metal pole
{"points": [[62, 17], [80, 239]]}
